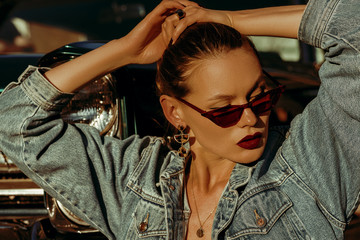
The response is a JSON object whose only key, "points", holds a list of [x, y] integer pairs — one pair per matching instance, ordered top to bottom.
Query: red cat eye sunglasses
{"points": [[230, 115]]}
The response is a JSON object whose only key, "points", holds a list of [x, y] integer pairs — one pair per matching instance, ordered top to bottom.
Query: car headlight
{"points": [[95, 104], [64, 220]]}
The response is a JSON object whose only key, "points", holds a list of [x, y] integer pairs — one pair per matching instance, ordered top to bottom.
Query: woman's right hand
{"points": [[148, 40], [144, 44]]}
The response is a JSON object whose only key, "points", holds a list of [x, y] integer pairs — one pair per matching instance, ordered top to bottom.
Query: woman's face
{"points": [[233, 78]]}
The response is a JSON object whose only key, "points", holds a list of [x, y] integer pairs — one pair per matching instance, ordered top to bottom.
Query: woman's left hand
{"points": [[194, 13]]}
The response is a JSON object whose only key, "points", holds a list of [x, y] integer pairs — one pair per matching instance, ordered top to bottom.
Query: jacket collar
{"points": [[242, 174]]}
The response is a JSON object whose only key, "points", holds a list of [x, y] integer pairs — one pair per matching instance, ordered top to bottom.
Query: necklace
{"points": [[200, 231]]}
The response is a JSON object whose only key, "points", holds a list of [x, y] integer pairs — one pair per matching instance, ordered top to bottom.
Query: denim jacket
{"points": [[305, 186]]}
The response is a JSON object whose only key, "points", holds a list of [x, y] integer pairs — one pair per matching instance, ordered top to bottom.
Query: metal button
{"points": [[260, 221], [144, 224], [143, 227]]}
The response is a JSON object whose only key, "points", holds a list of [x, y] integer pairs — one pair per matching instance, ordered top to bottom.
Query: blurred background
{"points": [[41, 26]]}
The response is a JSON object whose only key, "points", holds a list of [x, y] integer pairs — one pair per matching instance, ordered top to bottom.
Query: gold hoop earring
{"points": [[182, 138]]}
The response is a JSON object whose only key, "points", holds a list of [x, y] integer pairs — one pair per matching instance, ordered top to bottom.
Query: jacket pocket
{"points": [[264, 216], [148, 222]]}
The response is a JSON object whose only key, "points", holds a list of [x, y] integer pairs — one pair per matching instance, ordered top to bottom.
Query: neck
{"points": [[209, 172], [208, 177]]}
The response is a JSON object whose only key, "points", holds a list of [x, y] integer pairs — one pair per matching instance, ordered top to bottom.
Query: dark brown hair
{"points": [[197, 42]]}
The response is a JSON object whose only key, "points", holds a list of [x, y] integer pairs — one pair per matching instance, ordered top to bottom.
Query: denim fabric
{"points": [[305, 186]]}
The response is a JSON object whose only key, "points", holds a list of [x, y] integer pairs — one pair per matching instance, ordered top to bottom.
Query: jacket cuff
{"points": [[315, 20], [41, 91]]}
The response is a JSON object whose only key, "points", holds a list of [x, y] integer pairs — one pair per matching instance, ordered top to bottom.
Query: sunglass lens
{"points": [[266, 102], [226, 117]]}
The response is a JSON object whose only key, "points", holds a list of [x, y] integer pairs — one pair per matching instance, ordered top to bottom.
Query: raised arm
{"points": [[272, 21], [144, 44]]}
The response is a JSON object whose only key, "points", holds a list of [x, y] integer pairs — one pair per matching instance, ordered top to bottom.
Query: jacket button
{"points": [[172, 187], [260, 221], [144, 224]]}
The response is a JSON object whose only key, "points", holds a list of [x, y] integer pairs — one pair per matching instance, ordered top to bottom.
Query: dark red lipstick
{"points": [[250, 141]]}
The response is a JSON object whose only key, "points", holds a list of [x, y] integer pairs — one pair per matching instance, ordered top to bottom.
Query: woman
{"points": [[245, 187]]}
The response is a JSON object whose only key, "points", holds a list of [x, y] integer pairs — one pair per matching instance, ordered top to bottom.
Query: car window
{"points": [[288, 49]]}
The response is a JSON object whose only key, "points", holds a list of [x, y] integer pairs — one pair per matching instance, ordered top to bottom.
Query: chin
{"points": [[249, 156]]}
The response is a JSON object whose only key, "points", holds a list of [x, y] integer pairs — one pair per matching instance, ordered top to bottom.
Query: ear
{"points": [[172, 110]]}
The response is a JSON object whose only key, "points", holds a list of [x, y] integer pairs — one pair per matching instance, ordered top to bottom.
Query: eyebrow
{"points": [[259, 81], [230, 97]]}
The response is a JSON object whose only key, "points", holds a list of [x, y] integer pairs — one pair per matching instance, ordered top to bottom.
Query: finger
{"points": [[186, 3], [165, 8], [193, 15], [169, 26], [177, 32], [164, 34]]}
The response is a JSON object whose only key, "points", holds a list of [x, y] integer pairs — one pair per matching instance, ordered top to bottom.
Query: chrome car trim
{"points": [[22, 192]]}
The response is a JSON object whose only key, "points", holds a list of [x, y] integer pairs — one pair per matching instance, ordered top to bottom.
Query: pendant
{"points": [[200, 233]]}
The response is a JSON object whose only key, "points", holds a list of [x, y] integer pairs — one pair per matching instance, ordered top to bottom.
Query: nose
{"points": [[248, 118]]}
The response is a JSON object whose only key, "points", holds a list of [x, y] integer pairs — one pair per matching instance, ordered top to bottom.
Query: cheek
{"points": [[264, 122], [206, 132], [214, 141], [222, 141]]}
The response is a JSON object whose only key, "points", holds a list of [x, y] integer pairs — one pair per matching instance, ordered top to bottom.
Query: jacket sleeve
{"points": [[324, 142], [73, 163]]}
